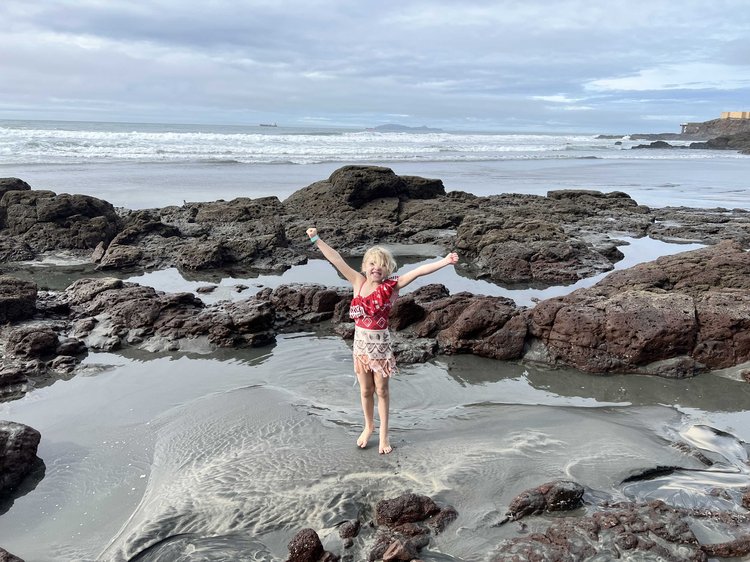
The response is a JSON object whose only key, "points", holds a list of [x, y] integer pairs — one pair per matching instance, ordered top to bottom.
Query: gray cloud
{"points": [[571, 65]]}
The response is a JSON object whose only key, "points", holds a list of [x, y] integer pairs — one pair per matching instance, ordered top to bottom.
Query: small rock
{"points": [[206, 289], [349, 529], [305, 546]]}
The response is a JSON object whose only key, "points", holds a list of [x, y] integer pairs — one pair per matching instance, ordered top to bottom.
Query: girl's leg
{"points": [[381, 387], [367, 390]]}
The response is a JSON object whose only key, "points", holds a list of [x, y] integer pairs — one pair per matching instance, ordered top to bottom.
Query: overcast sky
{"points": [[581, 66]]}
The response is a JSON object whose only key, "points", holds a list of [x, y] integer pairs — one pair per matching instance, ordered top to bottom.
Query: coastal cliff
{"points": [[716, 134]]}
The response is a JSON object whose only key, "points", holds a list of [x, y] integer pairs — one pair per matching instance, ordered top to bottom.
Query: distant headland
{"points": [[395, 128], [731, 131]]}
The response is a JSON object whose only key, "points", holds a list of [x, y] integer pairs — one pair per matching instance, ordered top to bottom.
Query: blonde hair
{"points": [[381, 256]]}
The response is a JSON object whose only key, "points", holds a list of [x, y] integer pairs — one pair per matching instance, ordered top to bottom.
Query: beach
{"points": [[164, 456]]}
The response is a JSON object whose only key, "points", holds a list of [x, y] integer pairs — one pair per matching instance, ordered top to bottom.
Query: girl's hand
{"points": [[311, 232], [452, 258]]}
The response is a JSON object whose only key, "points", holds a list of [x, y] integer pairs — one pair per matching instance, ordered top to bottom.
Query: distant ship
{"points": [[268, 125]]}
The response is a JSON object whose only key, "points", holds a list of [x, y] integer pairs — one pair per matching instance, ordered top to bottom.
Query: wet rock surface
{"points": [[44, 220], [692, 310], [18, 448], [561, 495], [637, 531], [305, 546]]}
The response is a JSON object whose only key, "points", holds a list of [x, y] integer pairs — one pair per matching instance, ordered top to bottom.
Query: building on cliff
{"points": [[730, 122]]}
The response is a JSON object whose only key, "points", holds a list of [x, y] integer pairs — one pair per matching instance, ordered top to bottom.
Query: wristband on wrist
{"points": [[314, 239]]}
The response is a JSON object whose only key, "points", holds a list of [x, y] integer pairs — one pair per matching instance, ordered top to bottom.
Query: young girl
{"points": [[375, 291]]}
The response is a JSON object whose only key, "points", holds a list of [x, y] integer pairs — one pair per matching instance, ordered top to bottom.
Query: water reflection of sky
{"points": [[638, 250]]}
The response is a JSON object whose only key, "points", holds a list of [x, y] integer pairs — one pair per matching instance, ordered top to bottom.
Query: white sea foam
{"points": [[32, 142]]}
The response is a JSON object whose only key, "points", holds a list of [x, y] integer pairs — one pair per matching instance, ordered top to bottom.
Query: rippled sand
{"points": [[226, 457]]}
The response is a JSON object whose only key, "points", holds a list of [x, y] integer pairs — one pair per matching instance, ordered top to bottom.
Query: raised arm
{"points": [[335, 258], [426, 269]]}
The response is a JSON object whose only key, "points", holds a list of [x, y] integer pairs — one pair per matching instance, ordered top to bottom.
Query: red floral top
{"points": [[371, 312]]}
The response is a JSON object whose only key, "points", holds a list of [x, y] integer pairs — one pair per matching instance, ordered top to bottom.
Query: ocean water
{"points": [[146, 165], [225, 456]]}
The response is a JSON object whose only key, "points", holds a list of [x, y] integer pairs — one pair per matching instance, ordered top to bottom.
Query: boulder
{"points": [[47, 221], [31, 342], [18, 448], [560, 495], [406, 508], [305, 546]]}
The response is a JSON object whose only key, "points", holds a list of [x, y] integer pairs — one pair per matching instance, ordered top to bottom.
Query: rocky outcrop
{"points": [[738, 141], [358, 205], [43, 220], [247, 233], [506, 239], [108, 313], [674, 317], [462, 323], [18, 448]]}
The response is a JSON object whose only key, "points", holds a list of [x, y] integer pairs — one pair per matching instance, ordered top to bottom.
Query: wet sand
{"points": [[227, 455]]}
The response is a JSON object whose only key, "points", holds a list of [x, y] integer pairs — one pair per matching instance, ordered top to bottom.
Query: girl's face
{"points": [[374, 271]]}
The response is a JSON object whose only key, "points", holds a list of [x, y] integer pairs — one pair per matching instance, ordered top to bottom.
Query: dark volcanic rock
{"points": [[737, 141], [655, 144], [12, 184], [355, 186], [361, 205], [46, 221], [196, 236], [523, 238], [17, 299], [693, 307], [462, 323], [32, 342], [13, 381], [18, 446], [560, 495], [406, 508], [404, 525], [349, 529], [633, 531], [305, 546]]}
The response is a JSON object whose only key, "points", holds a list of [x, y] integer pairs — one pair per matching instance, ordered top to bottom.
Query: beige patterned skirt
{"points": [[372, 351]]}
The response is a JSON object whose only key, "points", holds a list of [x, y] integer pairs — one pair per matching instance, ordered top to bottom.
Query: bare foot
{"points": [[364, 437], [385, 447]]}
